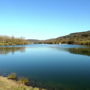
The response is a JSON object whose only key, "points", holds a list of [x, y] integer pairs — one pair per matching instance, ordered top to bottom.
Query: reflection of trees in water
{"points": [[6, 50], [81, 51]]}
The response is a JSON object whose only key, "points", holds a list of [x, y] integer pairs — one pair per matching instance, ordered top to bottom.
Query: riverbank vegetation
{"points": [[80, 38], [5, 40], [12, 83]]}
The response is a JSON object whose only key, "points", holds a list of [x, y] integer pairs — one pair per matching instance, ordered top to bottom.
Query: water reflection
{"points": [[7, 50], [75, 50], [81, 51], [47, 66]]}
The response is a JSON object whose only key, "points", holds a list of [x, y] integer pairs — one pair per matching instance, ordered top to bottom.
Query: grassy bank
{"points": [[7, 84]]}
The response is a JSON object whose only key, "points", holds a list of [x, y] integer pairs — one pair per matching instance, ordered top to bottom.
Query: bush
{"points": [[12, 76], [23, 80]]}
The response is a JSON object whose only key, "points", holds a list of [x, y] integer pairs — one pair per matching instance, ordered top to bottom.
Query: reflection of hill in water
{"points": [[6, 50], [76, 50], [81, 51]]}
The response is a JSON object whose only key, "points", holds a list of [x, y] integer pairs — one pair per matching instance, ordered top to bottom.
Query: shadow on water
{"points": [[7, 50]]}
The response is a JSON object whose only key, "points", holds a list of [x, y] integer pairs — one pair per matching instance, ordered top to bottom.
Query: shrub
{"points": [[12, 76], [23, 80]]}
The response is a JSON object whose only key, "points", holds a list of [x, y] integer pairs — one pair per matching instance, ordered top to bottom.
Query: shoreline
{"points": [[10, 84]]}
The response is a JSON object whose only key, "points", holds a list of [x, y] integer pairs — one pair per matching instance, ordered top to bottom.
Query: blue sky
{"points": [[43, 19]]}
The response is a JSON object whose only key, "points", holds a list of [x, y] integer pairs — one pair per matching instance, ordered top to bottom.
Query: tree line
{"points": [[6, 40]]}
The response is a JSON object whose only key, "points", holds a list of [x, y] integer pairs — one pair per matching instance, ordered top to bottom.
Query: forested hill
{"points": [[82, 38], [6, 40]]}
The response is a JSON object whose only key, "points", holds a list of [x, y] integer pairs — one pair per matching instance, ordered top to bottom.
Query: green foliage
{"points": [[12, 76], [23, 80]]}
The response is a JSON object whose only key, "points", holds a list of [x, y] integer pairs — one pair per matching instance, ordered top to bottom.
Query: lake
{"points": [[52, 66]]}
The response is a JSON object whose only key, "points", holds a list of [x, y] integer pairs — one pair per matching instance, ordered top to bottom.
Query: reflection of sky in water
{"points": [[50, 64]]}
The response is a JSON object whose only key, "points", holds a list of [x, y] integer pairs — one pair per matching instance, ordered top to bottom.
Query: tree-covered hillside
{"points": [[82, 38]]}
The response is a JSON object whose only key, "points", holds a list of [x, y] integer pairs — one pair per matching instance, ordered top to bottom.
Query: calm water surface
{"points": [[59, 66]]}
